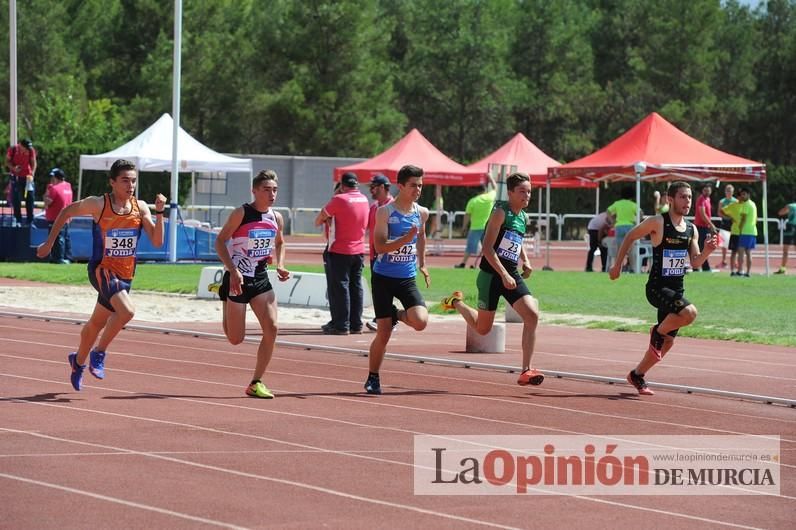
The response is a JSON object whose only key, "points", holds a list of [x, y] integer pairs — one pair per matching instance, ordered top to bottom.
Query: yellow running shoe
{"points": [[447, 302], [259, 390]]}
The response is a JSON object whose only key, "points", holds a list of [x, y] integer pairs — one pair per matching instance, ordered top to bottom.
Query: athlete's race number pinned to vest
{"points": [[121, 242], [260, 242], [510, 245], [405, 254], [673, 263]]}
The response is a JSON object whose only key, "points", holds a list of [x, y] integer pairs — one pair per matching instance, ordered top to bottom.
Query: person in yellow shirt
{"points": [[477, 213], [623, 217], [743, 233]]}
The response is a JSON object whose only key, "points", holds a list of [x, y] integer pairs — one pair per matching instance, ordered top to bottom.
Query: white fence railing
{"points": [[301, 220]]}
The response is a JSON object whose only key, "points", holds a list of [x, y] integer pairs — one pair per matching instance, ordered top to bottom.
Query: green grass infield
{"points": [[759, 309]]}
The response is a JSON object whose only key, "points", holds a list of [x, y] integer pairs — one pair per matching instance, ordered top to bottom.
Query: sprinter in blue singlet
{"points": [[400, 241]]}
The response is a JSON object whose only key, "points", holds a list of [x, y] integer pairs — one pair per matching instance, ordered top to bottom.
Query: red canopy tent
{"points": [[415, 149], [655, 150], [522, 153], [667, 154], [527, 158]]}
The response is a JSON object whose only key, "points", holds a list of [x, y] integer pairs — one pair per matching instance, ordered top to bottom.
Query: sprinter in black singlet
{"points": [[675, 245]]}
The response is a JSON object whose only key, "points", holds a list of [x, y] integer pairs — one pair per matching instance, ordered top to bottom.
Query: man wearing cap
{"points": [[21, 163], [380, 191], [57, 197], [348, 212]]}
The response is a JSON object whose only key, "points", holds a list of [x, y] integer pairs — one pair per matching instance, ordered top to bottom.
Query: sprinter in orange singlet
{"points": [[119, 218]]}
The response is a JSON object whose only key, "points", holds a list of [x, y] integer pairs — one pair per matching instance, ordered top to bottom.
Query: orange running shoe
{"points": [[447, 302], [530, 377], [641, 385]]}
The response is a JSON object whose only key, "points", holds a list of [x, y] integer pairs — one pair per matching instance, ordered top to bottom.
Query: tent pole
{"points": [[175, 109], [640, 168], [80, 184], [193, 195], [597, 200], [765, 222], [547, 266]]}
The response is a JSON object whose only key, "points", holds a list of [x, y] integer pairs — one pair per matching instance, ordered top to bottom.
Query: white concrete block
{"points": [[206, 277], [306, 289], [512, 316], [492, 342]]}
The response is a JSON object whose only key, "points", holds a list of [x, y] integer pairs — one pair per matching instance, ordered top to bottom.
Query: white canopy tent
{"points": [[151, 151]]}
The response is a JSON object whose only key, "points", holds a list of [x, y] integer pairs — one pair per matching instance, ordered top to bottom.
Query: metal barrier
{"points": [[304, 221], [296, 222]]}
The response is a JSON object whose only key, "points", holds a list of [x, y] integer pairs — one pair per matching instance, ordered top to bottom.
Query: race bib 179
{"points": [[673, 262]]}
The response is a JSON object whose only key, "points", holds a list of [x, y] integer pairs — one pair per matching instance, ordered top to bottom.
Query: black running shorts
{"points": [[251, 287], [384, 289], [490, 289], [666, 300]]}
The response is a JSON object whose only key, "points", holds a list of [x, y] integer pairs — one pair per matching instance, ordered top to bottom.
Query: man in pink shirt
{"points": [[380, 192], [57, 197], [348, 212], [702, 221]]}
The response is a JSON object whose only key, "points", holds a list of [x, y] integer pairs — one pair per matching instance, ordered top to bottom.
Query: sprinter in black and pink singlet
{"points": [[119, 218], [250, 240], [675, 247]]}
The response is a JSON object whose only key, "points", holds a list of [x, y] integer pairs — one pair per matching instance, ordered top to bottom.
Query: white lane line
{"points": [[544, 353], [289, 359], [376, 403], [325, 419], [276, 480], [360, 498], [123, 502]]}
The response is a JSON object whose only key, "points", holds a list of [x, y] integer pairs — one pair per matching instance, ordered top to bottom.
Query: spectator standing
{"points": [[21, 163], [380, 192], [57, 197], [659, 206], [348, 212], [745, 212], [476, 214], [623, 218], [726, 222], [704, 225], [598, 228], [789, 236], [326, 270]]}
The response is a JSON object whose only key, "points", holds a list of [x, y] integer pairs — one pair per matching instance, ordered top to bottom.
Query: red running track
{"points": [[168, 440]]}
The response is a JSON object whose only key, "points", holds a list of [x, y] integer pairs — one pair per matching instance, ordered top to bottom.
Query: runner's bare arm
{"points": [[89, 206], [496, 219], [233, 222], [651, 226], [155, 232], [380, 234], [279, 245], [421, 247], [697, 259], [527, 269]]}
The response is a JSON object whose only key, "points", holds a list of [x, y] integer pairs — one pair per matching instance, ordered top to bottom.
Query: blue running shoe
{"points": [[97, 364], [76, 377]]}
